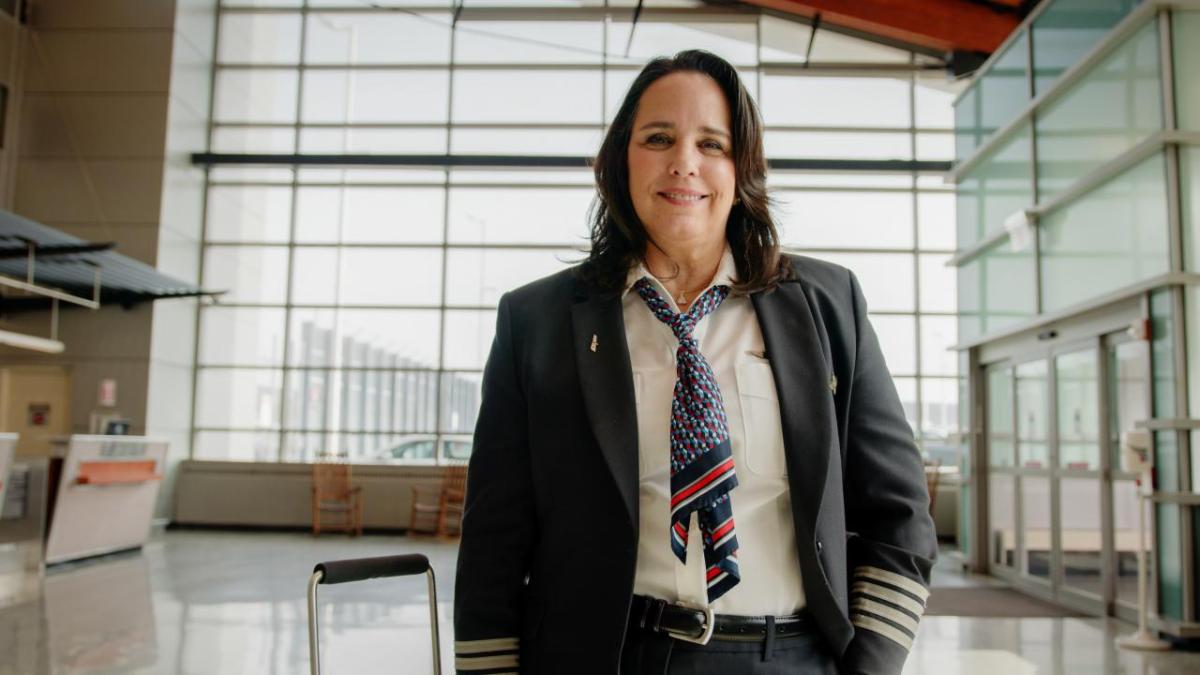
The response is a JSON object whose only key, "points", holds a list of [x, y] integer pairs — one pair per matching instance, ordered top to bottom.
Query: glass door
{"points": [[1128, 394], [1001, 476], [1078, 480], [1062, 515], [1035, 541]]}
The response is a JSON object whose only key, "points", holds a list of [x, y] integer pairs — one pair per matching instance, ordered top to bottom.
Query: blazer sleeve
{"points": [[499, 522], [892, 544]]}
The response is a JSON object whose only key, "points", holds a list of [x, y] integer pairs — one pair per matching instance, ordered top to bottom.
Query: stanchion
{"points": [[1137, 446]]}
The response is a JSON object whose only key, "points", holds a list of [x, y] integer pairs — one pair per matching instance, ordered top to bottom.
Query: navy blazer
{"points": [[549, 538]]}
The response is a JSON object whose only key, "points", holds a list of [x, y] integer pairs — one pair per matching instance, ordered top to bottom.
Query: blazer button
{"points": [[820, 548]]}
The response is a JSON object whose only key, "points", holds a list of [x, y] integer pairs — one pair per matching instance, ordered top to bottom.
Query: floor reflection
{"points": [[209, 602], [101, 616], [984, 646]]}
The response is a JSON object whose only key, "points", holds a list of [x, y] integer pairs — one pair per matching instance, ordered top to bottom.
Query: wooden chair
{"points": [[933, 476], [332, 492], [454, 497], [438, 509]]}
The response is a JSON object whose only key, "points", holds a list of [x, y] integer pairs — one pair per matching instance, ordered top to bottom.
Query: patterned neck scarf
{"points": [[702, 473]]}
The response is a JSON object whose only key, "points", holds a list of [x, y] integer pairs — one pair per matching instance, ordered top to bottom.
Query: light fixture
{"points": [[32, 342]]}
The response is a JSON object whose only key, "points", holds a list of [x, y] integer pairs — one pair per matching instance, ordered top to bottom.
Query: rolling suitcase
{"points": [[361, 569]]}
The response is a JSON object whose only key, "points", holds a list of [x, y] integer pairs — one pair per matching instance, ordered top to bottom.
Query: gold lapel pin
{"points": [[595, 343], [833, 383]]}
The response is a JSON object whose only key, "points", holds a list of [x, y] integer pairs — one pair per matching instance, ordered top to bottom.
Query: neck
{"points": [[697, 265]]}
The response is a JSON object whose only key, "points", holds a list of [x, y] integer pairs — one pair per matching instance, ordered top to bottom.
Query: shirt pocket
{"points": [[760, 418], [653, 420]]}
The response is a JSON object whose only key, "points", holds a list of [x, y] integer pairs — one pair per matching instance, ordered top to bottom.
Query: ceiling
{"points": [[946, 26]]}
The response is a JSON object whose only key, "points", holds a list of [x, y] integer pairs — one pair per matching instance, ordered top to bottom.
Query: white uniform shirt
{"points": [[731, 341]]}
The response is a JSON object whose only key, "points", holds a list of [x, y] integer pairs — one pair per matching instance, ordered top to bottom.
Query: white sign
{"points": [[1020, 231], [108, 393]]}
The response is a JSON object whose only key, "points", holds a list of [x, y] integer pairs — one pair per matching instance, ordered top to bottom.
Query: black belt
{"points": [[701, 625]]}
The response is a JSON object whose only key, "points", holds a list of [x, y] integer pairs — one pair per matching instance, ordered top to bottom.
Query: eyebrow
{"points": [[669, 125]]}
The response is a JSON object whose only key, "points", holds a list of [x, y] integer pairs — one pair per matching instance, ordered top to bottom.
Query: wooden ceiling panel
{"points": [[946, 25]]}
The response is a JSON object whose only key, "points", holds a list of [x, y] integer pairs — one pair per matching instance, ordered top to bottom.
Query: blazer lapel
{"points": [[605, 373], [805, 402]]}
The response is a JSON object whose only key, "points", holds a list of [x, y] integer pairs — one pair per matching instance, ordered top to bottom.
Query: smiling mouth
{"points": [[677, 198]]}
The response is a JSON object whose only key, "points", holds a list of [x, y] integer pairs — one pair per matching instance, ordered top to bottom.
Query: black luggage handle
{"points": [[361, 569]]}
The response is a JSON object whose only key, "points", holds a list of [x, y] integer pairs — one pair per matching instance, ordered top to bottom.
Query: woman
{"points": [[690, 456]]}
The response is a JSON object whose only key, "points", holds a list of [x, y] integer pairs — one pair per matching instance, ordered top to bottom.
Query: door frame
{"points": [[1097, 330], [1113, 473]]}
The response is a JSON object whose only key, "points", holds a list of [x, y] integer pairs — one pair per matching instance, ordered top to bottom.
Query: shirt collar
{"points": [[726, 275]]}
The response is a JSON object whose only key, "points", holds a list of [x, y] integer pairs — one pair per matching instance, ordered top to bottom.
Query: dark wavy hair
{"points": [[619, 238]]}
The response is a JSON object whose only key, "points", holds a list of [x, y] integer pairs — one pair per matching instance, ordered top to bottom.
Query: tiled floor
{"points": [[208, 602]]}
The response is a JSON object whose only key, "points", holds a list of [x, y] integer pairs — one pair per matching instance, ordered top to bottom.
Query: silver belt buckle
{"points": [[709, 624]]}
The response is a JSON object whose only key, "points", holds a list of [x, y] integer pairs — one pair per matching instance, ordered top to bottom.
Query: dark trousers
{"points": [[650, 653]]}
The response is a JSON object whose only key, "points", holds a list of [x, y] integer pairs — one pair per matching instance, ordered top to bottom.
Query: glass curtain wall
{"points": [[1107, 172], [361, 301]]}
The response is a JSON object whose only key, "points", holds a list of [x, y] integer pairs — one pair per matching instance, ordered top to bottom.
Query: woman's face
{"points": [[681, 173]]}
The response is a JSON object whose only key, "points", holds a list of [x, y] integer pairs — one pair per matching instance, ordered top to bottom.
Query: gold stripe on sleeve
{"points": [[897, 580], [884, 593], [886, 611], [888, 631], [481, 646], [485, 662]]}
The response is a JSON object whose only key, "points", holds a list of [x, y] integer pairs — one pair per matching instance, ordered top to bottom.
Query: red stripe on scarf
{"points": [[715, 473]]}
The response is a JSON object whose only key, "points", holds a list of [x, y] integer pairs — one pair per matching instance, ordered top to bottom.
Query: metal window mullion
{"points": [[605, 20], [814, 69], [759, 72], [1032, 118], [561, 126], [1171, 150], [561, 163], [204, 205], [291, 256], [915, 257], [1179, 329], [441, 351], [327, 369], [303, 376], [391, 388], [381, 392], [342, 393], [1105, 407], [344, 413], [317, 429], [1182, 444], [1054, 476], [1018, 478], [979, 553], [1152, 559]]}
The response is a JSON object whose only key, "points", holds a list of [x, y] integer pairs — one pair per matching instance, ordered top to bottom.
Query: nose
{"points": [[684, 161]]}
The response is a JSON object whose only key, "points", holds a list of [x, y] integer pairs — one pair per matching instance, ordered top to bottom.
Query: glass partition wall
{"points": [[1078, 277], [362, 300]]}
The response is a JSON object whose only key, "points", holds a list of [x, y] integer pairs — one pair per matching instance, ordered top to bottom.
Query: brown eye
{"points": [[658, 139], [713, 145]]}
